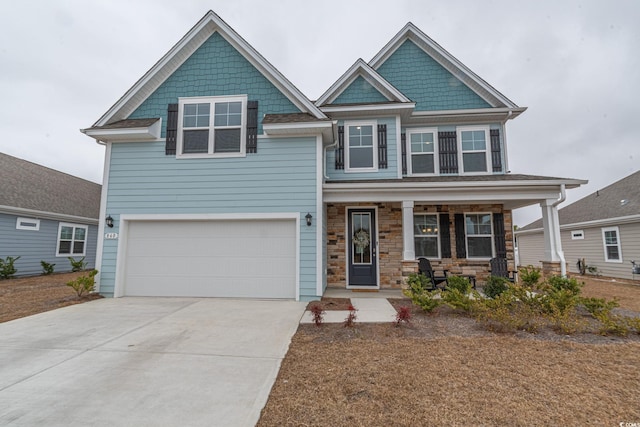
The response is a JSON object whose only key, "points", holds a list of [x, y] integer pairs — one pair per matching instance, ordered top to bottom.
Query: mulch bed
{"points": [[330, 304]]}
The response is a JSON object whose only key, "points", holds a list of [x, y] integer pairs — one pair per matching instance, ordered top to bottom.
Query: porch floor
{"points": [[350, 293]]}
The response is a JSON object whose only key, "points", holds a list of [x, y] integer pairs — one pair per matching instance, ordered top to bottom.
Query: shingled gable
{"points": [[208, 25], [497, 101], [28, 188]]}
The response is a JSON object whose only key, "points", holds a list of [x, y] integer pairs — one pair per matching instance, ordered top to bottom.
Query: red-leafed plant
{"points": [[318, 314], [403, 315], [351, 318]]}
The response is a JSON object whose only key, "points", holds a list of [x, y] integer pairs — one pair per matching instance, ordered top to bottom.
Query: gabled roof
{"points": [[179, 53], [448, 61], [362, 69], [31, 187], [618, 200]]}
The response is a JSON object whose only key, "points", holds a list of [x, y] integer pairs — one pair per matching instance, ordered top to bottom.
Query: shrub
{"points": [[77, 265], [46, 267], [7, 268], [529, 276], [419, 280], [565, 283], [84, 284], [462, 284], [495, 286], [455, 298], [424, 299], [598, 306], [505, 313], [318, 314], [403, 315], [351, 318], [614, 324]]}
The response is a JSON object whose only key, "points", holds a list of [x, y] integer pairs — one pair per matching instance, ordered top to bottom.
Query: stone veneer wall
{"points": [[392, 268]]}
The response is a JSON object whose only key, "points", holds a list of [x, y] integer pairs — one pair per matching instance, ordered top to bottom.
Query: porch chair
{"points": [[424, 267], [498, 267]]}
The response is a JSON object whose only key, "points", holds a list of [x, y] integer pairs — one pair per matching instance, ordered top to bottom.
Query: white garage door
{"points": [[221, 258]]}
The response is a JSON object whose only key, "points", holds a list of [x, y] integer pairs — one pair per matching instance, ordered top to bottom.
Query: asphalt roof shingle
{"points": [[27, 185]]}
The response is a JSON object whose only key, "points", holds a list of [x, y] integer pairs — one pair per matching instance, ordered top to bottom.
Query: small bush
{"points": [[77, 265], [7, 268], [47, 268], [529, 276], [419, 280], [565, 283], [84, 284], [461, 284], [495, 286], [455, 298], [424, 299], [598, 306], [505, 313], [318, 314], [403, 315], [351, 318], [613, 324]]}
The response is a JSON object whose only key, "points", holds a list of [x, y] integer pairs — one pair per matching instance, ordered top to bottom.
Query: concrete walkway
{"points": [[370, 310], [144, 362]]}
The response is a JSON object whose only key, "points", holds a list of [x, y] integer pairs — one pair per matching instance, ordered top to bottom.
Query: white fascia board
{"points": [[182, 50], [444, 58], [369, 107], [509, 113], [326, 129], [149, 133], [519, 184], [12, 210], [204, 217], [630, 219]]}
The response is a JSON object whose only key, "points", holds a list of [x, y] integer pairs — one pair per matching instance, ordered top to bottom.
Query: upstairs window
{"points": [[212, 126], [422, 145], [362, 152], [474, 153], [479, 234], [426, 235], [71, 239], [611, 242]]}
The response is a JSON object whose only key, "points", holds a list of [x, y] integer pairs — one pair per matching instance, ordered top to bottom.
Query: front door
{"points": [[361, 250]]}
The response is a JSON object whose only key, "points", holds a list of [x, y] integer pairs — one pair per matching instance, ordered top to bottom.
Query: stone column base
{"points": [[551, 268]]}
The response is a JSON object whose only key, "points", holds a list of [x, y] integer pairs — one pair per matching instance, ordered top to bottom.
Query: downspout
{"points": [[504, 140], [324, 158], [563, 264]]}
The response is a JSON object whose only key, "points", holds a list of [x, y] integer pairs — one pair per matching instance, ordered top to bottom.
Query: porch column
{"points": [[408, 246], [553, 253]]}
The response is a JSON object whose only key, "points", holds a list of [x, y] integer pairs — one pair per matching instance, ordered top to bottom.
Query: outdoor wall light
{"points": [[308, 218], [109, 221]]}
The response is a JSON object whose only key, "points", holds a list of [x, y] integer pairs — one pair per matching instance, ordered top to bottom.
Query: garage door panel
{"points": [[229, 258]]}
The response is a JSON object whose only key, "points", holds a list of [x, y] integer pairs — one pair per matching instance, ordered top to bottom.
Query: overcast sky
{"points": [[574, 64]]}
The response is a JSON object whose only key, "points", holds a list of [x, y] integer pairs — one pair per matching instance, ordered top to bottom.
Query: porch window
{"points": [[362, 147], [423, 151], [474, 153], [479, 232], [426, 235], [71, 239], [611, 242]]}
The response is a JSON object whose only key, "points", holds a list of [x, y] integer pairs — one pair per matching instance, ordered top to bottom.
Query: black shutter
{"points": [[252, 126], [172, 130], [403, 143], [382, 146], [448, 148], [340, 149], [496, 155], [445, 235], [498, 235], [461, 249]]}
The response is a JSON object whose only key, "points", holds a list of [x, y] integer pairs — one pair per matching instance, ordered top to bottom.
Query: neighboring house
{"points": [[223, 179], [46, 215], [603, 228]]}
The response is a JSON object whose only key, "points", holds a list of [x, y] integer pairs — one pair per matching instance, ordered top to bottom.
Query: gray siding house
{"points": [[46, 215], [602, 228]]}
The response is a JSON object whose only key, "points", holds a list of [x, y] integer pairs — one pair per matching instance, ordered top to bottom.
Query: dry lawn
{"points": [[626, 292], [25, 296], [443, 369]]}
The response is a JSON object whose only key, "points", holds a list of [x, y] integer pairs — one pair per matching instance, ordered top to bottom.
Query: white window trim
{"points": [[212, 100], [374, 126], [487, 137], [436, 157], [437, 215], [20, 220], [466, 235], [577, 235], [86, 238], [604, 244]]}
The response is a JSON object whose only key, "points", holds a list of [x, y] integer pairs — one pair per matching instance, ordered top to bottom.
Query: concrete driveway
{"points": [[144, 362]]}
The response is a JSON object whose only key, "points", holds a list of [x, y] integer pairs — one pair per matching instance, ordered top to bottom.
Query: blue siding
{"points": [[214, 69], [421, 79], [360, 91], [392, 157], [281, 177], [35, 246]]}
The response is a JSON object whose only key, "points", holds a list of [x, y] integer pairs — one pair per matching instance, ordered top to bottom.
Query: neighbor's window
{"points": [[212, 126], [422, 143], [362, 147], [474, 152], [28, 224], [425, 235], [479, 235], [577, 235], [72, 239], [611, 241]]}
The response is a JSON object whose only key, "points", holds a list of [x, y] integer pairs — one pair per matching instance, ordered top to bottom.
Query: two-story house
{"points": [[223, 179]]}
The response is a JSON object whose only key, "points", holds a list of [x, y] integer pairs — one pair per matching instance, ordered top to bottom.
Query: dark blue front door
{"points": [[363, 265]]}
